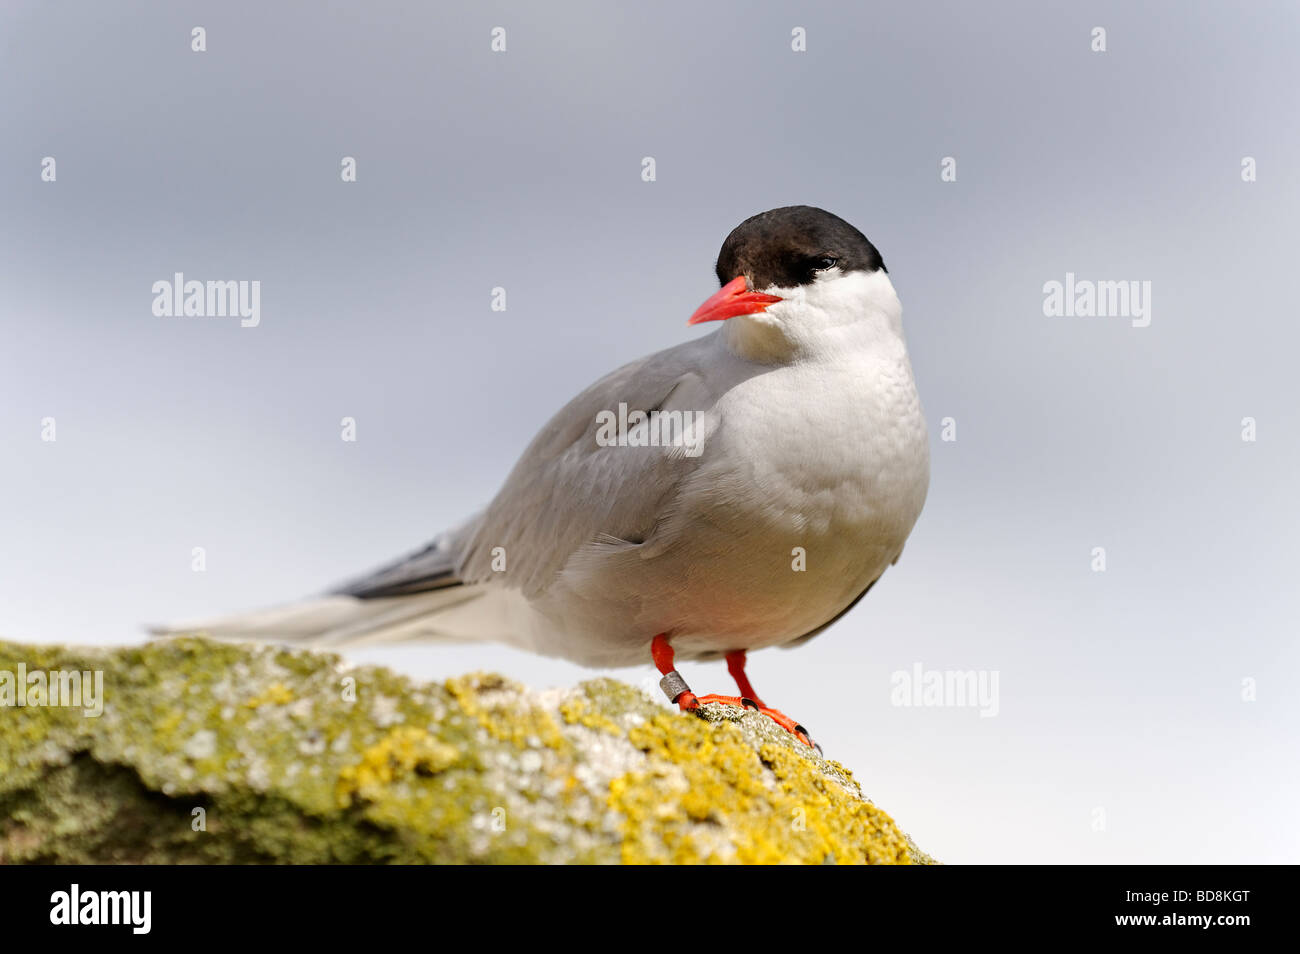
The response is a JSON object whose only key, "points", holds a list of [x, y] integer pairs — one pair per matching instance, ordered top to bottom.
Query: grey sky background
{"points": [[1119, 691]]}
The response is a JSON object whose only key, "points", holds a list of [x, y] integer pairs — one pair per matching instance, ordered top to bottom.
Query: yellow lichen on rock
{"points": [[276, 694], [502, 708], [577, 710], [404, 751], [475, 770], [706, 795]]}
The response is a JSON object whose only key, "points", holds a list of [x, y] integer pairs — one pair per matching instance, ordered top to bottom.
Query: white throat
{"points": [[840, 311]]}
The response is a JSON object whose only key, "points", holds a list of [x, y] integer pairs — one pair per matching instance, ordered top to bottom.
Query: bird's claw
{"points": [[744, 702]]}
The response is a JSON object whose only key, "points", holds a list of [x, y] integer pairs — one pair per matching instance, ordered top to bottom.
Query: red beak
{"points": [[732, 299]]}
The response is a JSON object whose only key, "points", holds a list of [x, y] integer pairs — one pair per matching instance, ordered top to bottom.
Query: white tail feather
{"points": [[338, 621]]}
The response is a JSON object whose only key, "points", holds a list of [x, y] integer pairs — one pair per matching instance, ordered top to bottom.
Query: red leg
{"points": [[736, 666], [672, 683], [674, 686]]}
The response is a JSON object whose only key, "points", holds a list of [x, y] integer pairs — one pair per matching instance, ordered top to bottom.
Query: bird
{"points": [[741, 490]]}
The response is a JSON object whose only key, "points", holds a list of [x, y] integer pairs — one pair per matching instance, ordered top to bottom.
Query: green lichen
{"points": [[217, 753]]}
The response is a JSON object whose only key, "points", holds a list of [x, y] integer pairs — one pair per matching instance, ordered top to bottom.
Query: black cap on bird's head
{"points": [[784, 248]]}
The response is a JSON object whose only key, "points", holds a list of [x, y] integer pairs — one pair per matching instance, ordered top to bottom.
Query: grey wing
{"points": [[567, 490], [432, 567]]}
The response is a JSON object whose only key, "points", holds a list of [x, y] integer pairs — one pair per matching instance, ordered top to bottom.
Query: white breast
{"points": [[815, 469]]}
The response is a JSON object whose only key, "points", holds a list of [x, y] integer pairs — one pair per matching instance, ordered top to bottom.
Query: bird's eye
{"points": [[824, 262]]}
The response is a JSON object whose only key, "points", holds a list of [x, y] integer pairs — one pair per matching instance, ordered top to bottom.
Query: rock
{"points": [[217, 753]]}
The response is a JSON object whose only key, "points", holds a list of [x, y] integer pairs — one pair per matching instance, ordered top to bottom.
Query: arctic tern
{"points": [[792, 468]]}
